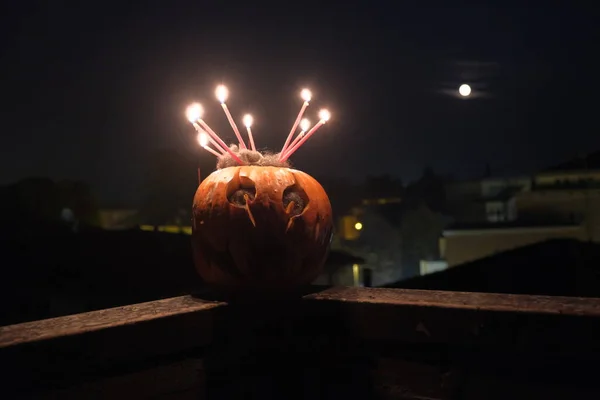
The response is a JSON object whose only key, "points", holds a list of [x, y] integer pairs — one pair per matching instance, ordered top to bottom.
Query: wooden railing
{"points": [[334, 343]]}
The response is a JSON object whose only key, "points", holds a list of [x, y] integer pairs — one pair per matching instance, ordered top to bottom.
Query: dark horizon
{"points": [[94, 90]]}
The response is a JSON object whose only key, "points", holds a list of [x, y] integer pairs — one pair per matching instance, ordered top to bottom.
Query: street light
{"points": [[358, 226]]}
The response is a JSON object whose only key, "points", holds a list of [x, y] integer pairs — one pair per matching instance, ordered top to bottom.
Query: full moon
{"points": [[464, 90]]}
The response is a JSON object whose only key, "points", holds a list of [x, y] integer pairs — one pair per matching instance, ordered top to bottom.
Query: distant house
{"points": [[488, 199], [495, 215], [367, 233], [462, 243]]}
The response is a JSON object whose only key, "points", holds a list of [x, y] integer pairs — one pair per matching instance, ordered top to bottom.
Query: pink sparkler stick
{"points": [[222, 94], [306, 96], [194, 114], [324, 115], [248, 122], [304, 125], [234, 126], [203, 139], [210, 139], [219, 141], [252, 146], [291, 146], [216, 153]]}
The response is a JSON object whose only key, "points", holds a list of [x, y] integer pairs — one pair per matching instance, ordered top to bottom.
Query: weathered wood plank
{"points": [[574, 306], [132, 314], [103, 319], [396, 320], [406, 343], [445, 344], [84, 348]]}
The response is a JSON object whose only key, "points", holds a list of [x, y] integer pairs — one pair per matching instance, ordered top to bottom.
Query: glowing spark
{"points": [[222, 93], [306, 95], [194, 112], [324, 115], [248, 120], [305, 124], [203, 139]]}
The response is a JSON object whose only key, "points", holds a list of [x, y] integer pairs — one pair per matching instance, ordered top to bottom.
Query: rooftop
{"points": [[584, 162], [519, 224], [563, 267]]}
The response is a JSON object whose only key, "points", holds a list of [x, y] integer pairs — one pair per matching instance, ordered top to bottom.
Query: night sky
{"points": [[91, 89]]}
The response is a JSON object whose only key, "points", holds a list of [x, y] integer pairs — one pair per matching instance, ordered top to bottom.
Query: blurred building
{"points": [[485, 200], [35, 204], [496, 215], [118, 218], [131, 218], [370, 232], [464, 243], [344, 269]]}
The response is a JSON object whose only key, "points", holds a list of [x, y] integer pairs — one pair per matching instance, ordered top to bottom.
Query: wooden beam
{"points": [[554, 305], [112, 318], [93, 321], [558, 324], [415, 339], [75, 350]]}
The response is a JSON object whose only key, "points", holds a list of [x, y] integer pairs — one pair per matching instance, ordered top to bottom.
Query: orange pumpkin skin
{"points": [[260, 228]]}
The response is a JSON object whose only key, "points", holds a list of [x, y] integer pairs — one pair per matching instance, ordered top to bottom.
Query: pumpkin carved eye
{"points": [[239, 189], [295, 200]]}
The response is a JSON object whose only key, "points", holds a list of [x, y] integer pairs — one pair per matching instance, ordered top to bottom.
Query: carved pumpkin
{"points": [[260, 228]]}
